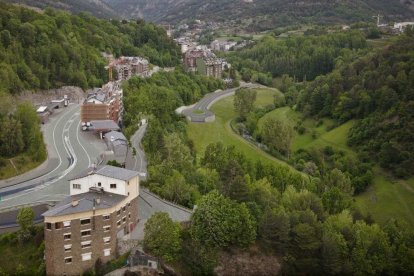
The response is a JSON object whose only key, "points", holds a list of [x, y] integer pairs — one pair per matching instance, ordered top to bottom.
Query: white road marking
{"points": [[77, 137]]}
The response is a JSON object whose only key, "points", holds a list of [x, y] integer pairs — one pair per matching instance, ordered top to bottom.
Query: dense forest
{"points": [[52, 48], [303, 58], [378, 91], [311, 223]]}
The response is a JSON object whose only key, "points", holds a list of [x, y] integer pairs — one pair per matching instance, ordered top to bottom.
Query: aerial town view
{"points": [[206, 137]]}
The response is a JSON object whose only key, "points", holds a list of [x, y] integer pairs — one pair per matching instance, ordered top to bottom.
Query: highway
{"points": [[201, 113], [70, 152]]}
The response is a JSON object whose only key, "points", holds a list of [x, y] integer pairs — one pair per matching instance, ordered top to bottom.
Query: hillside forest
{"points": [[307, 219]]}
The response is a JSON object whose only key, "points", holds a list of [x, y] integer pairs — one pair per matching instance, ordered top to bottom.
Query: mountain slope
{"points": [[96, 7], [264, 12]]}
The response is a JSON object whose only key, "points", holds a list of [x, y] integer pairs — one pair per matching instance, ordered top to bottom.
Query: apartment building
{"points": [[127, 67], [211, 67], [104, 104], [102, 207]]}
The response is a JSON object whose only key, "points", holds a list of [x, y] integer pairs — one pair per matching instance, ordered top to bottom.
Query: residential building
{"points": [[217, 45], [190, 59], [127, 67], [211, 67], [103, 104], [102, 207]]}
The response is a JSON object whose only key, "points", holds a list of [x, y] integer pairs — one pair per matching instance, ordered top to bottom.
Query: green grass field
{"points": [[220, 130], [335, 137], [388, 198]]}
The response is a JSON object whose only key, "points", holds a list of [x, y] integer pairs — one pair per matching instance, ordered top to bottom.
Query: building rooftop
{"points": [[104, 125], [115, 135], [109, 171], [84, 202]]}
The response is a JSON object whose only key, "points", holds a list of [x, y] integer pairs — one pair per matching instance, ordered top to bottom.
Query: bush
{"points": [[8, 238]]}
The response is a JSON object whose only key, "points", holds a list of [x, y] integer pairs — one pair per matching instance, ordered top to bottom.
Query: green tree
{"points": [[244, 101], [278, 135], [11, 137], [234, 182], [179, 191], [25, 218], [236, 225], [274, 229], [162, 237], [371, 251]]}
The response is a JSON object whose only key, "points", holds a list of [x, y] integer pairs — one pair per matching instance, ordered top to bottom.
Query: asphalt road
{"points": [[200, 111], [70, 152], [138, 162]]}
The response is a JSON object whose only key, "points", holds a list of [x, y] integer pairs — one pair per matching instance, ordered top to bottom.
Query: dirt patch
{"points": [[43, 97], [248, 262]]}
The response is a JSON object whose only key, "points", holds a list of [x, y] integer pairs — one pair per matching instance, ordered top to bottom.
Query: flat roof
{"points": [[104, 125], [85, 202]]}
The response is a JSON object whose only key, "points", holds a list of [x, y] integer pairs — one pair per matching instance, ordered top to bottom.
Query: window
{"points": [[99, 184], [76, 186], [112, 186], [129, 204], [123, 209], [118, 212], [129, 215], [105, 217], [123, 219], [85, 221], [118, 223], [66, 224], [58, 225], [48, 226], [107, 228], [86, 233], [67, 236], [107, 240], [86, 244], [67, 247], [107, 252], [86, 256], [68, 260]]}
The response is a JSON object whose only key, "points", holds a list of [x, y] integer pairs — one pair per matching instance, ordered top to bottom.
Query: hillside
{"points": [[95, 7], [262, 14], [52, 49]]}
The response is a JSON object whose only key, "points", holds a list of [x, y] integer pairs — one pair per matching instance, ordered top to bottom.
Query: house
{"points": [[101, 208]]}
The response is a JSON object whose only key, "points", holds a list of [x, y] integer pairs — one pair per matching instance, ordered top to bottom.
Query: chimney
{"points": [[98, 201], [75, 202]]}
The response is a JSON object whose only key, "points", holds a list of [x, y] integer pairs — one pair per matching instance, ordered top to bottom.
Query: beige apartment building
{"points": [[102, 208]]}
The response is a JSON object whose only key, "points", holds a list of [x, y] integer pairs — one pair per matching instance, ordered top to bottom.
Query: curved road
{"points": [[200, 111], [70, 152]]}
